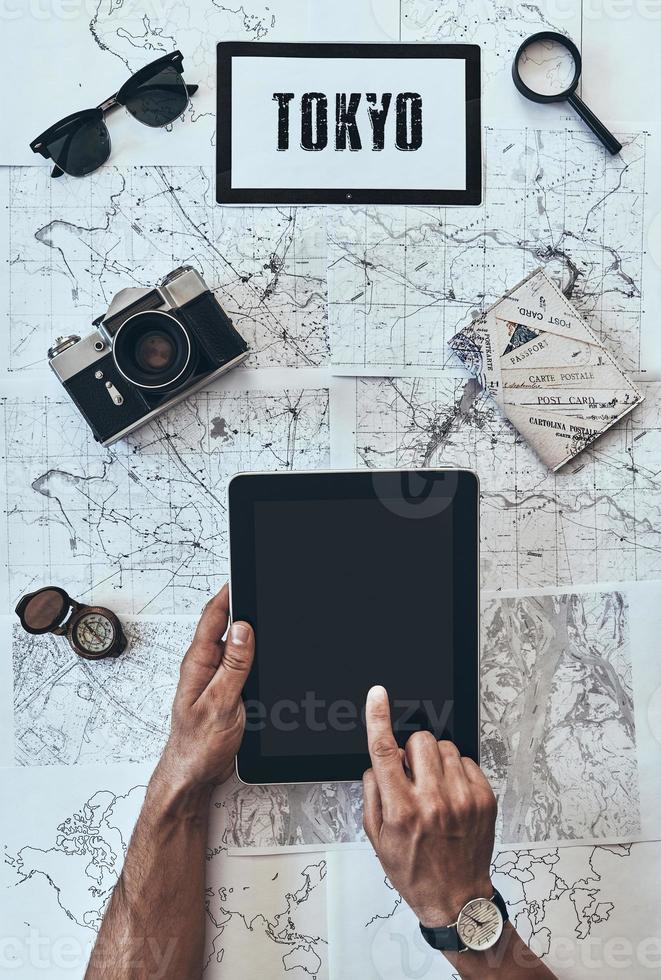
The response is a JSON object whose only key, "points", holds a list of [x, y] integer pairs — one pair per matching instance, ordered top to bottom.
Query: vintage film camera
{"points": [[153, 348]]}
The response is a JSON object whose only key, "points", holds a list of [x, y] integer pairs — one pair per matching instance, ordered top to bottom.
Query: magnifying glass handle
{"points": [[597, 127]]}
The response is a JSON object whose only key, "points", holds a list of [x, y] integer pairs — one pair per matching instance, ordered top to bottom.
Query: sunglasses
{"points": [[80, 143]]}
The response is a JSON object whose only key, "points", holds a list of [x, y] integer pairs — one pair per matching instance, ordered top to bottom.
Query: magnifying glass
{"points": [[547, 68]]}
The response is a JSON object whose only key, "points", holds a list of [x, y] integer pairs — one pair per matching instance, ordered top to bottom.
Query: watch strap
{"points": [[499, 902], [443, 938], [446, 938]]}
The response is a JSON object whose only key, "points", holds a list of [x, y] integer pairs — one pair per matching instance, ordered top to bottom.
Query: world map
{"points": [[560, 899], [567, 904], [266, 916]]}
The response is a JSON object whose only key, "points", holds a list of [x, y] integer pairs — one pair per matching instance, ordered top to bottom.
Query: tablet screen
{"points": [[347, 571], [351, 580]]}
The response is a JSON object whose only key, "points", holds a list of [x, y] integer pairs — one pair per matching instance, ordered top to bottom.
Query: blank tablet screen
{"points": [[351, 580]]}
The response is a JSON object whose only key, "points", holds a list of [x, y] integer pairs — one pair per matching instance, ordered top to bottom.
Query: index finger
{"points": [[383, 748]]}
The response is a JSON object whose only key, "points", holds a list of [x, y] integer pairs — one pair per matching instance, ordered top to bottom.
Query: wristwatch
{"points": [[93, 632], [479, 926]]}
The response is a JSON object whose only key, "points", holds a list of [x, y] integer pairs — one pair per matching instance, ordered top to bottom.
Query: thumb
{"points": [[235, 664]]}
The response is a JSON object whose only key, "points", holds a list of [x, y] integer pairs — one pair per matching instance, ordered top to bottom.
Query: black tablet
{"points": [[352, 579]]}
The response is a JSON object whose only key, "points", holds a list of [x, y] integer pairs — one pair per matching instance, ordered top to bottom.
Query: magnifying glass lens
{"points": [[546, 68]]}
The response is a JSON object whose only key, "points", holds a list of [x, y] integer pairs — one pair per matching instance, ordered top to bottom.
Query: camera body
{"points": [[153, 348]]}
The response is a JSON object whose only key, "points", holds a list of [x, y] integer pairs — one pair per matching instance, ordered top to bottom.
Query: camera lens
{"points": [[153, 350]]}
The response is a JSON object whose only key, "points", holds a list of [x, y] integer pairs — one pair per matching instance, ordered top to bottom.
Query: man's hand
{"points": [[208, 715], [432, 827], [155, 921]]}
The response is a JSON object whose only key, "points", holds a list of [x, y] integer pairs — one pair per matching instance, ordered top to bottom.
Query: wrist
{"points": [[188, 775], [175, 795], [445, 910], [509, 951]]}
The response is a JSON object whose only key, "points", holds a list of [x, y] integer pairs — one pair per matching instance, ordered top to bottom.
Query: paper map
{"points": [[68, 256], [403, 281], [598, 519], [141, 527], [559, 671], [70, 712], [568, 731], [570, 739], [569, 904], [269, 914], [265, 918]]}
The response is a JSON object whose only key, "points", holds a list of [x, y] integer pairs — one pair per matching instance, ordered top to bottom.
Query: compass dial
{"points": [[94, 633]]}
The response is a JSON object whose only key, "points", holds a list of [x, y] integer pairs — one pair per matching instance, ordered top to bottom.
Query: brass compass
{"points": [[92, 631]]}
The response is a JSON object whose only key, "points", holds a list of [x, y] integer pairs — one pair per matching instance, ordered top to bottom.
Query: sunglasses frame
{"points": [[121, 96]]}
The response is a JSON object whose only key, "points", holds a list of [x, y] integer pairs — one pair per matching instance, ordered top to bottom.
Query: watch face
{"points": [[94, 634], [480, 924]]}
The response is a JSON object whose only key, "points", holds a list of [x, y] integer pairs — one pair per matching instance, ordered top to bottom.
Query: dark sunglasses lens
{"points": [[158, 100], [81, 149], [44, 610]]}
